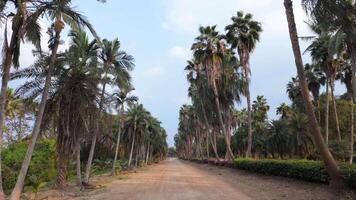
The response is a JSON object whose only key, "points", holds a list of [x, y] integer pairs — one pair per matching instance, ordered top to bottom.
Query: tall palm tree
{"points": [[61, 12], [338, 14], [25, 20], [243, 34], [209, 51], [324, 58], [115, 67], [345, 76], [315, 79], [73, 94], [77, 94], [121, 99], [201, 99], [135, 126], [330, 164]]}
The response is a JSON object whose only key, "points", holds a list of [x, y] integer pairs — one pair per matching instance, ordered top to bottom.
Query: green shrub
{"points": [[42, 164], [100, 166], [307, 170]]}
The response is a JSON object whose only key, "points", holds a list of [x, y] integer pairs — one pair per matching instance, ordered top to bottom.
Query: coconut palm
{"points": [[61, 12], [24, 25], [243, 34], [115, 67], [73, 92], [121, 99], [135, 126], [330, 164]]}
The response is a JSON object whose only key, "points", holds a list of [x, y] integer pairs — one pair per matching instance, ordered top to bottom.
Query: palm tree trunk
{"points": [[351, 46], [6, 66], [5, 80], [318, 111], [327, 112], [249, 118], [337, 124], [222, 125], [96, 131], [208, 133], [207, 145], [132, 148], [215, 149], [147, 153], [351, 156], [137, 157], [62, 164], [330, 164], [113, 171], [79, 173], [16, 192]]}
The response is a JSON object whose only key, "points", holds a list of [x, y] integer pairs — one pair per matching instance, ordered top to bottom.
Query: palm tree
{"points": [[61, 12], [338, 14], [25, 21], [243, 34], [209, 51], [322, 56], [116, 63], [345, 76], [315, 79], [294, 93], [77, 94], [72, 98], [121, 98], [201, 99], [285, 111], [135, 126], [300, 139], [277, 140], [330, 164]]}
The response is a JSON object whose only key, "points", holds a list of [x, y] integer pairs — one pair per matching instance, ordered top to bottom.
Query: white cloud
{"points": [[184, 16], [179, 52]]}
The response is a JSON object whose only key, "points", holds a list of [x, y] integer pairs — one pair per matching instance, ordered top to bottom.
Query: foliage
{"points": [[42, 167], [299, 169]]}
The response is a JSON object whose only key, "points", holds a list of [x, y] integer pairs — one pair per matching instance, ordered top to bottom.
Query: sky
{"points": [[159, 33]]}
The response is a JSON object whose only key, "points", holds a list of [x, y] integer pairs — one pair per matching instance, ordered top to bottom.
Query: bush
{"points": [[42, 164], [101, 167], [307, 170]]}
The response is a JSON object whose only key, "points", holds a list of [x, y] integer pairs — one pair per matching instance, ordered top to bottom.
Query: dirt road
{"points": [[174, 179]]}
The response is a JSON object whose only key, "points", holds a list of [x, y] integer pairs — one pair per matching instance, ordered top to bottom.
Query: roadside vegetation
{"points": [[73, 114], [312, 137]]}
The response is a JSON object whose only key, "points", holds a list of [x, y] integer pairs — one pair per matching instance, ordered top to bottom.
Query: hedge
{"points": [[42, 165], [306, 170]]}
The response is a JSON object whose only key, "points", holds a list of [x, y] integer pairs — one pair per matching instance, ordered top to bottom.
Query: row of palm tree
{"points": [[218, 77], [72, 88], [286, 137]]}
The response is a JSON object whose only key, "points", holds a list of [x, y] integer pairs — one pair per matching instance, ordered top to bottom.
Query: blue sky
{"points": [[158, 33]]}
